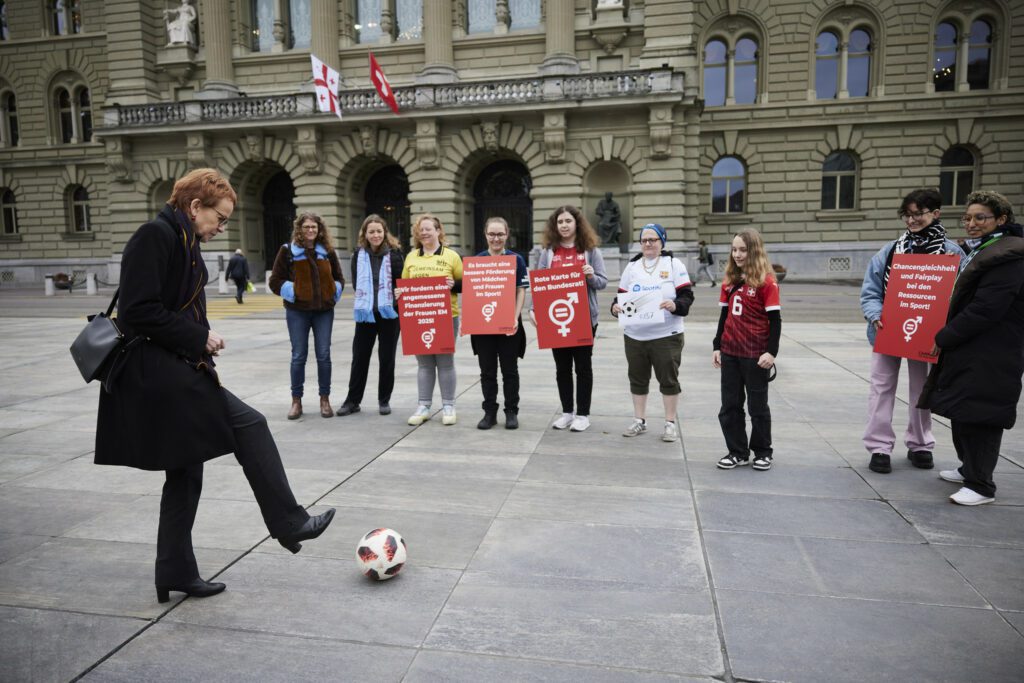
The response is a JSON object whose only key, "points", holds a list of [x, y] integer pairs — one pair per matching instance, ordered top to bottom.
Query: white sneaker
{"points": [[421, 415], [448, 416], [564, 421], [580, 423], [636, 429], [671, 433], [952, 475], [966, 496]]}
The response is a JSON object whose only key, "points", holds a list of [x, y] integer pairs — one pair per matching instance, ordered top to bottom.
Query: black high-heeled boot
{"points": [[313, 527], [196, 588]]}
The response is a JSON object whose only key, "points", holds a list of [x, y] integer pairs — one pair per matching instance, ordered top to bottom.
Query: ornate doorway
{"points": [[503, 189], [387, 195], [278, 215]]}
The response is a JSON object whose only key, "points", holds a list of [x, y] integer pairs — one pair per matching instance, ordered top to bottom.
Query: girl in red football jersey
{"points": [[745, 346]]}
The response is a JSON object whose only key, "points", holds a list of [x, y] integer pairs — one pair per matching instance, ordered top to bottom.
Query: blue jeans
{"points": [[299, 325]]}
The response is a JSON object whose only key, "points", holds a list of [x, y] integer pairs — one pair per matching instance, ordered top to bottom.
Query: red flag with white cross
{"points": [[325, 80], [380, 81]]}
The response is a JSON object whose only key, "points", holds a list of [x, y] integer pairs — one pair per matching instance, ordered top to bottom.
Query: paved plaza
{"points": [[534, 555]]}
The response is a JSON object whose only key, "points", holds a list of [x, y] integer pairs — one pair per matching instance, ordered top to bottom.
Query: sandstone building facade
{"points": [[806, 119]]}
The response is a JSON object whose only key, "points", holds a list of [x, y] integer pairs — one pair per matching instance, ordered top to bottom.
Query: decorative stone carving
{"points": [[502, 16], [609, 28], [179, 29], [178, 61], [660, 130], [490, 131], [554, 137], [368, 140], [254, 143], [427, 146], [309, 148], [197, 150], [118, 159]]}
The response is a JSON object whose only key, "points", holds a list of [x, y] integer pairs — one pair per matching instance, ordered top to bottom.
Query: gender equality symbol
{"points": [[488, 310], [562, 312], [910, 326], [427, 337]]}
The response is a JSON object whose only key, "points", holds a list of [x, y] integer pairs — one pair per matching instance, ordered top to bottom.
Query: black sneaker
{"points": [[385, 408], [348, 409], [921, 459], [731, 461], [762, 463], [880, 463]]}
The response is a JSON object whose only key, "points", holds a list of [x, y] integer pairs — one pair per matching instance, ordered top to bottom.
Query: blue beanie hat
{"points": [[658, 229]]}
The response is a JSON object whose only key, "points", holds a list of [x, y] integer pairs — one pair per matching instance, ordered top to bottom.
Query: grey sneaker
{"points": [[636, 429], [671, 433]]}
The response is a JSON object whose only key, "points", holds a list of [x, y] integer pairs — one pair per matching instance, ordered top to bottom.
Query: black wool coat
{"points": [[238, 268], [977, 379], [162, 411]]}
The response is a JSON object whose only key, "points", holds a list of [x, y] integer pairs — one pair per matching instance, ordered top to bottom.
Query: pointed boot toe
{"points": [[313, 527]]}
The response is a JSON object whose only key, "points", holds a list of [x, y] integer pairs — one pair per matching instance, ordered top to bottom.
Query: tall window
{"points": [[525, 13], [262, 14], [482, 15], [65, 17], [387, 19], [410, 19], [368, 20], [300, 23], [4, 33], [979, 55], [842, 63], [730, 67], [944, 69], [714, 73], [73, 109], [65, 115], [84, 115], [8, 119], [956, 177], [838, 182], [728, 185], [8, 212], [81, 221]]}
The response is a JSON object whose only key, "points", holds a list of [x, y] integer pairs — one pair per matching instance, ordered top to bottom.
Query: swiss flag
{"points": [[380, 81]]}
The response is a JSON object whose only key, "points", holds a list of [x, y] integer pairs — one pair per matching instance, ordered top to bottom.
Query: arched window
{"points": [[65, 17], [4, 33], [979, 55], [843, 56], [731, 66], [826, 66], [944, 68], [858, 69], [745, 71], [714, 73], [65, 115], [85, 115], [8, 119], [71, 120], [956, 177], [838, 182], [728, 185], [78, 209], [8, 212]]}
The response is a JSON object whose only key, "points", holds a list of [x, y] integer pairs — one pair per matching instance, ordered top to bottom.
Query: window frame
{"points": [[66, 11], [5, 29], [843, 31], [730, 36], [997, 48], [77, 117], [10, 132], [956, 171], [839, 175], [729, 179], [76, 206], [8, 228]]}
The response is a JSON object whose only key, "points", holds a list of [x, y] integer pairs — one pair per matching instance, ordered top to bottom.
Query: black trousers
{"points": [[240, 283], [387, 331], [493, 350], [565, 359], [742, 376], [977, 446], [257, 454]]}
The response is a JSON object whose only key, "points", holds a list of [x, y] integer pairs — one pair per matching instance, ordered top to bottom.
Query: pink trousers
{"points": [[878, 434]]}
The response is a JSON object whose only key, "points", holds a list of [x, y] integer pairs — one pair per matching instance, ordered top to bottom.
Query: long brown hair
{"points": [[321, 229], [586, 238], [389, 239], [414, 239], [756, 268]]}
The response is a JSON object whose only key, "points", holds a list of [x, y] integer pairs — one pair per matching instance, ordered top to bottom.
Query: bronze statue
{"points": [[609, 219]]}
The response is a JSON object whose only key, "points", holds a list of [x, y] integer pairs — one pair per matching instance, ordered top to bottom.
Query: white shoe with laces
{"points": [[421, 415], [448, 416], [564, 421], [580, 423], [636, 429], [671, 433], [966, 496]]}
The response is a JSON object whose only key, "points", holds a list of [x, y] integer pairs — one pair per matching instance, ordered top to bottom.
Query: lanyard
{"points": [[970, 257]]}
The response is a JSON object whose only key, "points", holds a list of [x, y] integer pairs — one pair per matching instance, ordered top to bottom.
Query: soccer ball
{"points": [[629, 309], [381, 554]]}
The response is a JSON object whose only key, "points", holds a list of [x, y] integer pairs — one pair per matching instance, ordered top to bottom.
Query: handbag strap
{"points": [[113, 302]]}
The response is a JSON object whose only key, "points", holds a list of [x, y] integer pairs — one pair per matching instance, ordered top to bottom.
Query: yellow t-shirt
{"points": [[442, 263]]}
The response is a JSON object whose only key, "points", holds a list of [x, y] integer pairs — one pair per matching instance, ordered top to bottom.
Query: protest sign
{"points": [[488, 295], [916, 304], [561, 307], [641, 307], [425, 310]]}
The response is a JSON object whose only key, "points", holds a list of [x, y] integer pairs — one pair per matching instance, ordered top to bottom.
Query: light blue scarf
{"points": [[363, 311]]}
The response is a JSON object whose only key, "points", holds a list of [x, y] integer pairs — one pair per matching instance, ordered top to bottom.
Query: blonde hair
{"points": [[321, 229], [389, 239], [414, 239], [756, 268]]}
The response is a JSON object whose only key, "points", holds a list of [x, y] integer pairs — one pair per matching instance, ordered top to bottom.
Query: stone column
{"points": [[325, 32], [560, 39], [963, 53], [844, 57], [439, 59], [220, 70], [730, 76]]}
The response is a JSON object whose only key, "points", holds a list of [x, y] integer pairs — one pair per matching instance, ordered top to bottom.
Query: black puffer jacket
{"points": [[977, 379]]}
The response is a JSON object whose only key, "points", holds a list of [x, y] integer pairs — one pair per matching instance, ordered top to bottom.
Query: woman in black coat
{"points": [[977, 380], [166, 409]]}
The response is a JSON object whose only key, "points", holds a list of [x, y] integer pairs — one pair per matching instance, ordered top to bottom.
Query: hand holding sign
{"points": [[916, 304], [561, 308], [425, 311]]}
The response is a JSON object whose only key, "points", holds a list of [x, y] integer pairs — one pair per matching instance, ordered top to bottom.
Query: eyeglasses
{"points": [[913, 214], [977, 217], [222, 220], [495, 235], [649, 240]]}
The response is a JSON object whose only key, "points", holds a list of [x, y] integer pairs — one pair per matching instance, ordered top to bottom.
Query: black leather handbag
{"points": [[97, 345]]}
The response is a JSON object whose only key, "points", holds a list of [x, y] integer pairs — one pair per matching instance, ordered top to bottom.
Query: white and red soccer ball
{"points": [[381, 554]]}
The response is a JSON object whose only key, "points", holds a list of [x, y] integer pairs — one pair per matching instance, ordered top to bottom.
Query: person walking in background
{"points": [[924, 234], [568, 240], [430, 257], [706, 260], [376, 262], [238, 271], [307, 276], [658, 346], [745, 347], [504, 349], [976, 382], [167, 409]]}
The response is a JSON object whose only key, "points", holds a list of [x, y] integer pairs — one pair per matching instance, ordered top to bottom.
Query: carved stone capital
{"points": [[177, 61], [660, 131], [554, 137], [427, 145], [309, 148], [118, 158]]}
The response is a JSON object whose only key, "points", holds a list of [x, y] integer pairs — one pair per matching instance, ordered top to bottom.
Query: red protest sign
{"points": [[488, 295], [916, 304], [561, 307], [425, 310]]}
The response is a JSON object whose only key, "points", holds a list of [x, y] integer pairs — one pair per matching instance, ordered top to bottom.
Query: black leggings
{"points": [[581, 357]]}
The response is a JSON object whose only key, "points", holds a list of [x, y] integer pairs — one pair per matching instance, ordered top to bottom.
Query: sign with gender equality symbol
{"points": [[488, 295], [916, 304], [561, 307], [425, 315]]}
